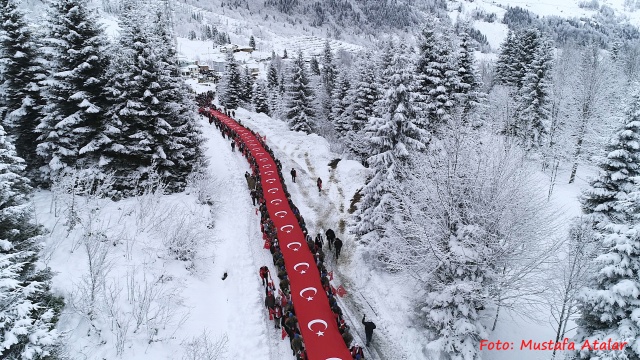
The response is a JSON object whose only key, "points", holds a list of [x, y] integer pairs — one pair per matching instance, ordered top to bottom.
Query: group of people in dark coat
{"points": [[280, 306]]}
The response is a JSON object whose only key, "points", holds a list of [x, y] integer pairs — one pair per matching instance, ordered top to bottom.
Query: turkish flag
{"points": [[256, 211], [266, 244], [330, 275], [333, 290], [341, 291], [271, 314], [284, 334]]}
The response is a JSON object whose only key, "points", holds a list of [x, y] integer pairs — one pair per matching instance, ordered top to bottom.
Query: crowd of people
{"points": [[278, 302]]}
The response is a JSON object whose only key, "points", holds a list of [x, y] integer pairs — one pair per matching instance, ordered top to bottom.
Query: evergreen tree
{"points": [[252, 42], [284, 54], [314, 66], [507, 67], [329, 71], [22, 73], [272, 77], [437, 77], [231, 84], [247, 85], [467, 90], [300, 96], [535, 97], [260, 100], [362, 100], [340, 103], [75, 112], [151, 126], [391, 136], [182, 148], [607, 200], [610, 306], [28, 310]]}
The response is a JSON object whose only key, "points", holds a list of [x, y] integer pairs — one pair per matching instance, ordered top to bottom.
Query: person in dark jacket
{"points": [[233, 145], [293, 175], [319, 183], [331, 236], [338, 245], [270, 300], [369, 326], [347, 337], [296, 344]]}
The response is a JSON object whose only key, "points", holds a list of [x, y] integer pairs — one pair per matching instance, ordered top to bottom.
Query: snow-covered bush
{"points": [[202, 347]]}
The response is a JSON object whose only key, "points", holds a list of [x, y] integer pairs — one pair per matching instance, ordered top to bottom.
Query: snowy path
{"points": [[322, 211], [237, 226]]}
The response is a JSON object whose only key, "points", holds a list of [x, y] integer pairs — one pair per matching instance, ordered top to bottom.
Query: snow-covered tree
{"points": [[252, 42], [314, 66], [22, 72], [329, 72], [272, 76], [436, 76], [247, 82], [230, 87], [467, 90], [362, 98], [260, 100], [340, 103], [76, 104], [299, 110], [532, 123], [151, 126], [391, 136], [608, 199], [610, 306], [28, 311]]}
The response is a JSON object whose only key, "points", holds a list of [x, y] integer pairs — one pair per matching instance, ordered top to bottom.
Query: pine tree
{"points": [[252, 42], [284, 54], [507, 65], [314, 66], [328, 69], [22, 72], [272, 77], [437, 77], [247, 81], [231, 84], [467, 90], [535, 97], [362, 98], [260, 100], [340, 103], [299, 111], [75, 114], [151, 126], [391, 136], [182, 148], [607, 200], [610, 307], [28, 310]]}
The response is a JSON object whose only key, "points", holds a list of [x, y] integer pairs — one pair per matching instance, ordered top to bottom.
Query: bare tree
{"points": [[593, 101], [570, 274], [202, 347]]}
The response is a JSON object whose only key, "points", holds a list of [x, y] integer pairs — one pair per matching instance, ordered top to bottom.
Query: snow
{"points": [[202, 301]]}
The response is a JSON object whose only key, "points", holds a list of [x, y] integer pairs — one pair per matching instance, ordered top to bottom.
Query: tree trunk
{"points": [[577, 152]]}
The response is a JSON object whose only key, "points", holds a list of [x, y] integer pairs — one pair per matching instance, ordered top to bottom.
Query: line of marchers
{"points": [[570, 345]]}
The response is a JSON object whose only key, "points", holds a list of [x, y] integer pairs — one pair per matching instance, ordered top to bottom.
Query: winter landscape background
{"points": [[479, 160]]}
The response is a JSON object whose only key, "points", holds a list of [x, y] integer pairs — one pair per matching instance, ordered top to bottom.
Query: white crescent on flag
{"points": [[270, 181], [273, 190], [276, 201], [282, 214], [292, 243], [295, 267], [309, 298], [317, 321]]}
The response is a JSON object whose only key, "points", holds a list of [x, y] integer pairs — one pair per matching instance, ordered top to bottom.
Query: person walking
{"points": [[233, 145], [293, 175], [319, 183], [331, 236], [338, 245], [369, 326]]}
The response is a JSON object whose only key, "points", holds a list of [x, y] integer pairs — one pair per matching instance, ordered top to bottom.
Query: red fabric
{"points": [[267, 244], [330, 275], [341, 291], [319, 329], [284, 333]]}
